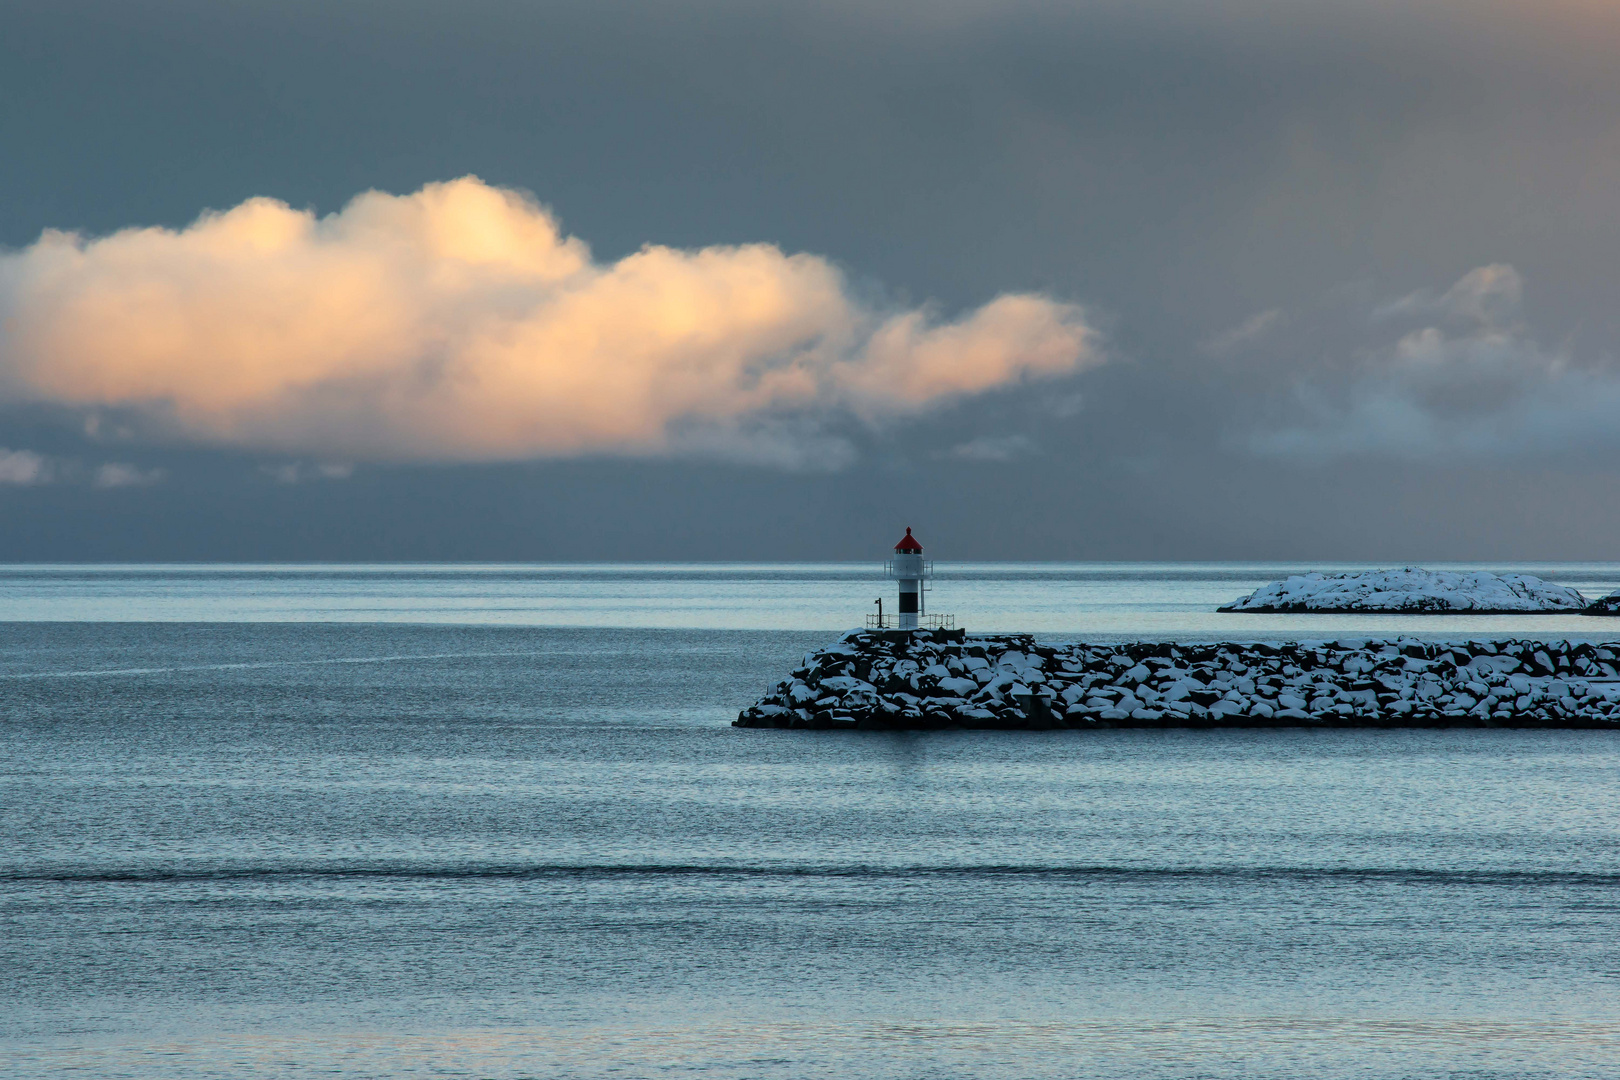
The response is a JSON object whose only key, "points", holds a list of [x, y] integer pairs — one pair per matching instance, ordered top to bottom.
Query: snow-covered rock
{"points": [[1412, 590], [1609, 605], [888, 681]]}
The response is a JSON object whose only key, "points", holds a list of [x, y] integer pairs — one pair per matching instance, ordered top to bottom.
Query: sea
{"points": [[493, 822]]}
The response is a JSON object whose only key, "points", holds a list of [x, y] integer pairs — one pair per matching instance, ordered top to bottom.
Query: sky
{"points": [[500, 279]]}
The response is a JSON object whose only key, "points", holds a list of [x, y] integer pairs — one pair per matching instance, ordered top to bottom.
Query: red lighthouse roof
{"points": [[908, 543]]}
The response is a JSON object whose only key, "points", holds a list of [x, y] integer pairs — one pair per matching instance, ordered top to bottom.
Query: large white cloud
{"points": [[459, 323]]}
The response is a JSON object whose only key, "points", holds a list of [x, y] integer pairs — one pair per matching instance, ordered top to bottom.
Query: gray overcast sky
{"points": [[1312, 280]]}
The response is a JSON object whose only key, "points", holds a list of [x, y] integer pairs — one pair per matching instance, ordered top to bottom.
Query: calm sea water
{"points": [[492, 822]]}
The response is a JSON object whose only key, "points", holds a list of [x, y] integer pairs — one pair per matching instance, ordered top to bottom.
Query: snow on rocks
{"points": [[1412, 590], [1609, 605], [939, 679]]}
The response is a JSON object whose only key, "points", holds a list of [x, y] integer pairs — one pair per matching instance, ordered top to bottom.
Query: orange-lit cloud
{"points": [[459, 323]]}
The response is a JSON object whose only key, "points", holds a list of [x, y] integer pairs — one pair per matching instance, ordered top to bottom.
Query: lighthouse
{"points": [[909, 570]]}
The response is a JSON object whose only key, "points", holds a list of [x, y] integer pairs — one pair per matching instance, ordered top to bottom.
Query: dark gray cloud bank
{"points": [[1348, 271]]}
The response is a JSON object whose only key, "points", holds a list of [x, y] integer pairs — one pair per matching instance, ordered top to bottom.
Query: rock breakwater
{"points": [[933, 680]]}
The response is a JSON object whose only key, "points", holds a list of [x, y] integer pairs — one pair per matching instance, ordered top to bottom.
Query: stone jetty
{"points": [[923, 680]]}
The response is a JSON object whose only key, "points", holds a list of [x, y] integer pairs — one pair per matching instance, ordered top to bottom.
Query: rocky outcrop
{"points": [[1412, 591], [1609, 605], [923, 680]]}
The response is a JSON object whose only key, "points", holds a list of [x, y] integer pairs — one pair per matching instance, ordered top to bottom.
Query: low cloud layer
{"points": [[459, 323], [1457, 374], [996, 449], [29, 468], [118, 474]]}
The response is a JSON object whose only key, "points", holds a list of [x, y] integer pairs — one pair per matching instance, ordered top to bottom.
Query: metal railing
{"points": [[924, 622]]}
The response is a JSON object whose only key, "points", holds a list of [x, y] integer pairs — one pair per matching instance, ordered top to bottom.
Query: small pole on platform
{"points": [[880, 612]]}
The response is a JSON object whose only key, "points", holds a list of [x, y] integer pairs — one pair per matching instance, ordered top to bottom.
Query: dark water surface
{"points": [[385, 849]]}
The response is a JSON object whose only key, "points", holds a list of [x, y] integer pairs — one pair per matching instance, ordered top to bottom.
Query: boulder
{"points": [[1609, 605]]}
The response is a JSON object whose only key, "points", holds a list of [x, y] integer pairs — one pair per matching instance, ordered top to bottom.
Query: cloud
{"points": [[1485, 296], [459, 323], [1245, 333], [1473, 383], [1063, 406], [992, 448], [24, 468], [27, 468], [296, 472], [118, 474]]}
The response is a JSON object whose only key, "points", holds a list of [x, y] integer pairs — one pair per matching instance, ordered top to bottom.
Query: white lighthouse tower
{"points": [[909, 569]]}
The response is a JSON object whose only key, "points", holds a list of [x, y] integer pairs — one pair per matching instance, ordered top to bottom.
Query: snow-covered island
{"points": [[1413, 591], [1609, 605], [886, 680]]}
